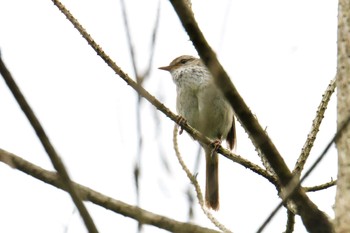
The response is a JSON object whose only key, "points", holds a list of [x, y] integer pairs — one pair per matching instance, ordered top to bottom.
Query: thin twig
{"points": [[153, 43], [130, 44], [139, 80], [311, 137], [50, 150], [194, 182], [321, 186], [189, 192], [100, 199], [308, 211]]}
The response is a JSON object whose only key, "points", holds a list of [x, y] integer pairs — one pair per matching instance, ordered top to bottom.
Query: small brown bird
{"points": [[206, 109]]}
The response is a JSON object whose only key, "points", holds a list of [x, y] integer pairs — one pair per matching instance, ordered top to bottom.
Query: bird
{"points": [[204, 107]]}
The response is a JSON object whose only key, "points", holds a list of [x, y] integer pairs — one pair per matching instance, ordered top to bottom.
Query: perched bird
{"points": [[202, 104]]}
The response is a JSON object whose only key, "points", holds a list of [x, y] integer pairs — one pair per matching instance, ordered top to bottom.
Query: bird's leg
{"points": [[181, 121], [215, 145]]}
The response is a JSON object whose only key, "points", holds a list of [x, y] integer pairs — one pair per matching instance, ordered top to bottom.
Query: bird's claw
{"points": [[181, 121], [215, 145]]}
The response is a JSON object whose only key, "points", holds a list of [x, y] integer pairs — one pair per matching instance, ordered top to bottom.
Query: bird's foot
{"points": [[181, 121], [215, 145]]}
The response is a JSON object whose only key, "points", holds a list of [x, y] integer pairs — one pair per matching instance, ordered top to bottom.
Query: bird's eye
{"points": [[183, 61]]}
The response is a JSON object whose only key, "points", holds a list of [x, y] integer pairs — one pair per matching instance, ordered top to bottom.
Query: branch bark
{"points": [[316, 123], [85, 193], [342, 203], [313, 219]]}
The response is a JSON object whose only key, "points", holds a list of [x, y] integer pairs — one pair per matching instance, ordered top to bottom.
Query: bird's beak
{"points": [[167, 68]]}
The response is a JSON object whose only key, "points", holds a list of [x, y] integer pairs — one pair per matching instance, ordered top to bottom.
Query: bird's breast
{"points": [[189, 78], [187, 106]]}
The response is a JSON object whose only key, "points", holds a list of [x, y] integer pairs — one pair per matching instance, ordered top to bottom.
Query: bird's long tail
{"points": [[212, 179]]}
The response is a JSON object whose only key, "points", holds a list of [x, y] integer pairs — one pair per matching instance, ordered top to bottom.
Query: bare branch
{"points": [[311, 137], [50, 150], [320, 187], [97, 198], [308, 211]]}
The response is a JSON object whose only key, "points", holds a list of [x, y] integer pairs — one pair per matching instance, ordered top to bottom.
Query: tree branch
{"points": [[311, 137], [50, 150], [320, 187], [97, 198], [313, 219]]}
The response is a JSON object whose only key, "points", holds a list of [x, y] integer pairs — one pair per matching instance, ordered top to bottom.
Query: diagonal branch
{"points": [[311, 137], [50, 150], [97, 198], [313, 219]]}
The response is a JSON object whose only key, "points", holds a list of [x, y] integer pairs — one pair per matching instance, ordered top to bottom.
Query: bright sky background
{"points": [[281, 55]]}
